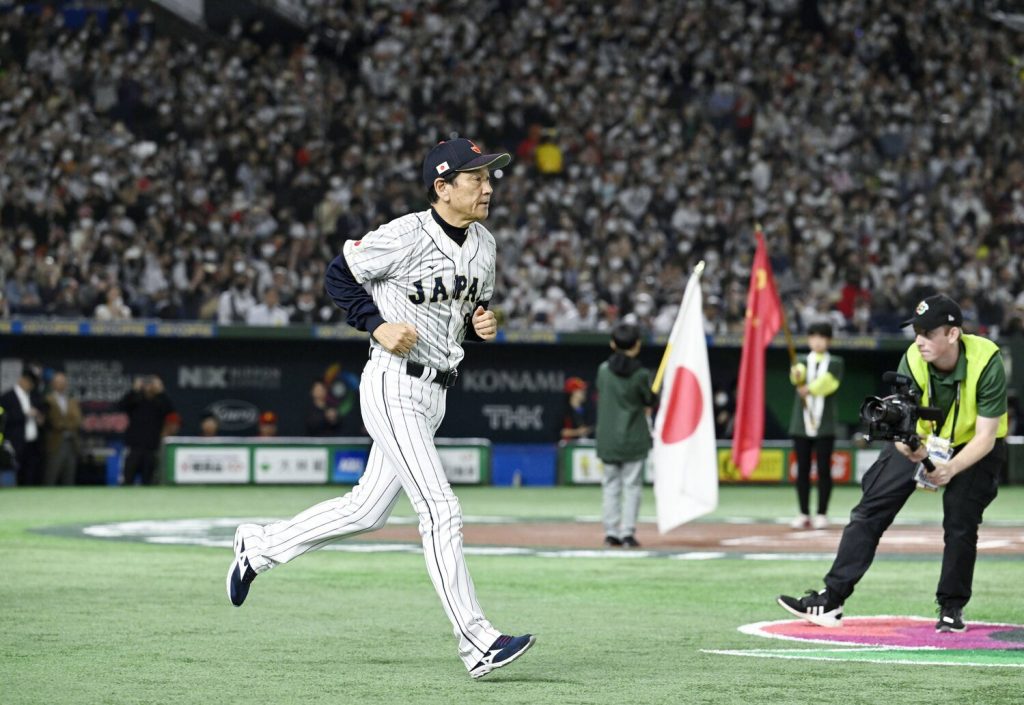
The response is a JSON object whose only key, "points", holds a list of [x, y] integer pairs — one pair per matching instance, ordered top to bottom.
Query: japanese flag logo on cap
{"points": [[442, 167]]}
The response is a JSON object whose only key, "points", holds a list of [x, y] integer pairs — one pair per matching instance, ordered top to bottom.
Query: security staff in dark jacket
{"points": [[963, 376], [147, 405], [24, 429], [6, 449]]}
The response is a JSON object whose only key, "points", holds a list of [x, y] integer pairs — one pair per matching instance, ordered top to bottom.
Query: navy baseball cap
{"points": [[459, 154], [935, 311]]}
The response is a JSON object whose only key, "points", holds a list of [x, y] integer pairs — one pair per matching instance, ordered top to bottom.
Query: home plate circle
{"points": [[894, 632], [890, 640]]}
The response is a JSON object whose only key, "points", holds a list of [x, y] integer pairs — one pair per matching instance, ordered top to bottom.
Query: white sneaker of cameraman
{"points": [[802, 521], [820, 521]]}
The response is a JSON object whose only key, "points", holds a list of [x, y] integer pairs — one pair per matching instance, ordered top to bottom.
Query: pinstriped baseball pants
{"points": [[402, 414]]}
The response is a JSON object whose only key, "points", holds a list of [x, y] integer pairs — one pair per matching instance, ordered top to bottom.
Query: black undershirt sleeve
{"points": [[360, 311], [471, 334]]}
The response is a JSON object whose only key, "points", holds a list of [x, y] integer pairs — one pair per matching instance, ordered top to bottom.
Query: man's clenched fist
{"points": [[484, 323], [397, 338]]}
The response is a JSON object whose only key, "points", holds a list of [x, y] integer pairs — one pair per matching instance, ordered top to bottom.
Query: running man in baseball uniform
{"points": [[430, 277]]}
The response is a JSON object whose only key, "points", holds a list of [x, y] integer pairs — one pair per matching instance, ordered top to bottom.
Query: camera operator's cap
{"points": [[459, 154], [935, 311]]}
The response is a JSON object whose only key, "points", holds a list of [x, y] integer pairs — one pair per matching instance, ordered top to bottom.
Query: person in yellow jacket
{"points": [[548, 155], [963, 376], [812, 425]]}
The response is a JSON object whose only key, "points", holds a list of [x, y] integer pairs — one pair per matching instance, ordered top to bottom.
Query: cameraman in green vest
{"points": [[963, 376]]}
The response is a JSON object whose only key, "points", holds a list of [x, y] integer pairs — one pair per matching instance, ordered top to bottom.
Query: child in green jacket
{"points": [[624, 398]]}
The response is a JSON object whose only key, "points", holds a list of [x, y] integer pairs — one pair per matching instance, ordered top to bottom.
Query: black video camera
{"points": [[895, 417]]}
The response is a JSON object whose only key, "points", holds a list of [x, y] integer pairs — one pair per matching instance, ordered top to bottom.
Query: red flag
{"points": [[764, 319]]}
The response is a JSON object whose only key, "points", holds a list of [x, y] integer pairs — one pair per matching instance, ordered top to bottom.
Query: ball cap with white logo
{"points": [[459, 154], [935, 311]]}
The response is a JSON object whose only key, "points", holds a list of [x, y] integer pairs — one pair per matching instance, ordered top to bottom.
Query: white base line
{"points": [[795, 654]]}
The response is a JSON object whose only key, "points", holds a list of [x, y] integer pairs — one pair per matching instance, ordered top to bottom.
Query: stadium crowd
{"points": [[143, 174]]}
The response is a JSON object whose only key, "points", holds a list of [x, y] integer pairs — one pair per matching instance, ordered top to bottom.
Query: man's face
{"points": [[469, 195], [935, 344], [27, 383], [59, 383], [153, 386], [319, 393]]}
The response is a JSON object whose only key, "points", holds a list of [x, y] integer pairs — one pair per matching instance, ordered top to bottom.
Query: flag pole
{"points": [[782, 311], [785, 325], [658, 378]]}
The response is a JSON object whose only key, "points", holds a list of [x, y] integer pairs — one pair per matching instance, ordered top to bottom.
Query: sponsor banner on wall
{"points": [[229, 377], [512, 400], [234, 414], [293, 461], [349, 464], [462, 464], [211, 465], [293, 465], [581, 466], [842, 466], [770, 467], [585, 468]]}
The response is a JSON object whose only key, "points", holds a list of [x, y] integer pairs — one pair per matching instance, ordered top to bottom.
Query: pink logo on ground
{"points": [[894, 632]]}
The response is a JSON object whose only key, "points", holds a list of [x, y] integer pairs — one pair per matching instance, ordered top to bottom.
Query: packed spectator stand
{"points": [[149, 174]]}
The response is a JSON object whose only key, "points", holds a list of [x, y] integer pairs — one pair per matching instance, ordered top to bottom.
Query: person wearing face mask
{"points": [[268, 250], [22, 293], [234, 304], [114, 308], [305, 310], [268, 313], [963, 376]]}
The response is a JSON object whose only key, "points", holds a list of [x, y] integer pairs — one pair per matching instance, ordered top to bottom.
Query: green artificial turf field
{"points": [[87, 620]]}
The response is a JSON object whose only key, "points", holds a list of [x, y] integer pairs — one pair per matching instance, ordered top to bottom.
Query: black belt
{"points": [[445, 379]]}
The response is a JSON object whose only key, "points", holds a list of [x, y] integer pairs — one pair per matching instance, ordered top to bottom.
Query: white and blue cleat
{"points": [[503, 651]]}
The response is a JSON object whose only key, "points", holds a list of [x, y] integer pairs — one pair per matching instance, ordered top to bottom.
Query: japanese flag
{"points": [[684, 453]]}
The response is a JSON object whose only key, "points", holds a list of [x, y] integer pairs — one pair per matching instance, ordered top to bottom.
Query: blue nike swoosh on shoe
{"points": [[503, 651]]}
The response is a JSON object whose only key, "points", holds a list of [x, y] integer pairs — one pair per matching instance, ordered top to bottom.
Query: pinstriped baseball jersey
{"points": [[418, 275]]}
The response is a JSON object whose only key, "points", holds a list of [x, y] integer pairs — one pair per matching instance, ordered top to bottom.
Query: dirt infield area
{"points": [[701, 536]]}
